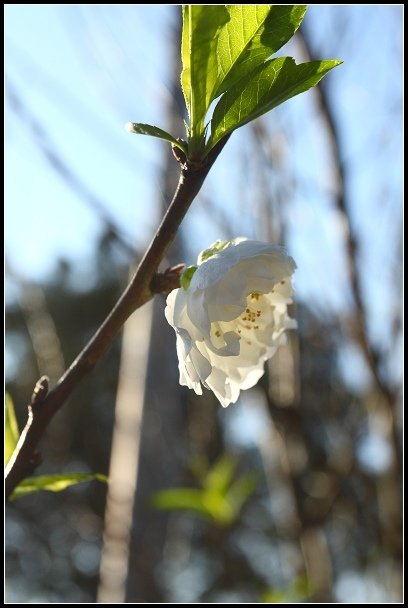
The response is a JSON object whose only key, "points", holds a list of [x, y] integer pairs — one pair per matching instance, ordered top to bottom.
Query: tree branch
{"points": [[137, 293], [359, 329]]}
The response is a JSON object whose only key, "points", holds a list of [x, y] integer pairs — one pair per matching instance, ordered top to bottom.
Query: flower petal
{"points": [[232, 317]]}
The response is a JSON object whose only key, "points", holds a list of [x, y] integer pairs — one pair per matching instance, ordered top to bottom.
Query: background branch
{"points": [[52, 155], [358, 327]]}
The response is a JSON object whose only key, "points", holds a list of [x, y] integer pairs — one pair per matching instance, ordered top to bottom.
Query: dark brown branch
{"points": [[137, 293]]}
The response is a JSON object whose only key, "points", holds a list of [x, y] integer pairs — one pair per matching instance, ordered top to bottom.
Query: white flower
{"points": [[232, 316]]}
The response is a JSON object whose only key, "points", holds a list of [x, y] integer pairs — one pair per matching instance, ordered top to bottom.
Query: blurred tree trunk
{"points": [[163, 420]]}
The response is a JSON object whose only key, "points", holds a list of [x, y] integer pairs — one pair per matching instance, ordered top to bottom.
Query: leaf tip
{"points": [[129, 127]]}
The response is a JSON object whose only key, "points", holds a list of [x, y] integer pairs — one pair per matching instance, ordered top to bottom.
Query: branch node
{"points": [[179, 154], [164, 282], [40, 391]]}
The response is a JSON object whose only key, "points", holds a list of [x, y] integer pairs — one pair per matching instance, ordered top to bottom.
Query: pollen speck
{"points": [[255, 295]]}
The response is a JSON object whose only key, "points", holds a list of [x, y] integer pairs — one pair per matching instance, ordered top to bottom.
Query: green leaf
{"points": [[201, 25], [250, 37], [269, 85], [144, 129], [186, 276], [11, 429], [220, 475], [53, 483], [179, 498], [219, 500], [206, 504], [218, 508], [299, 591], [274, 596]]}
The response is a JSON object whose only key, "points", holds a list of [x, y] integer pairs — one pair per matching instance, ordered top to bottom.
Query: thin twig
{"points": [[50, 151], [137, 293]]}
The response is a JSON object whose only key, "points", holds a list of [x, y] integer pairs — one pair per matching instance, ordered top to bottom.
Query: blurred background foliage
{"points": [[294, 493]]}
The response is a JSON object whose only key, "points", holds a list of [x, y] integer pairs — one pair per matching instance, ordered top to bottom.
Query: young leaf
{"points": [[201, 25], [250, 37], [269, 85], [144, 129], [186, 276], [11, 429], [220, 475], [53, 483], [179, 498], [220, 499], [205, 503], [218, 507], [298, 591]]}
